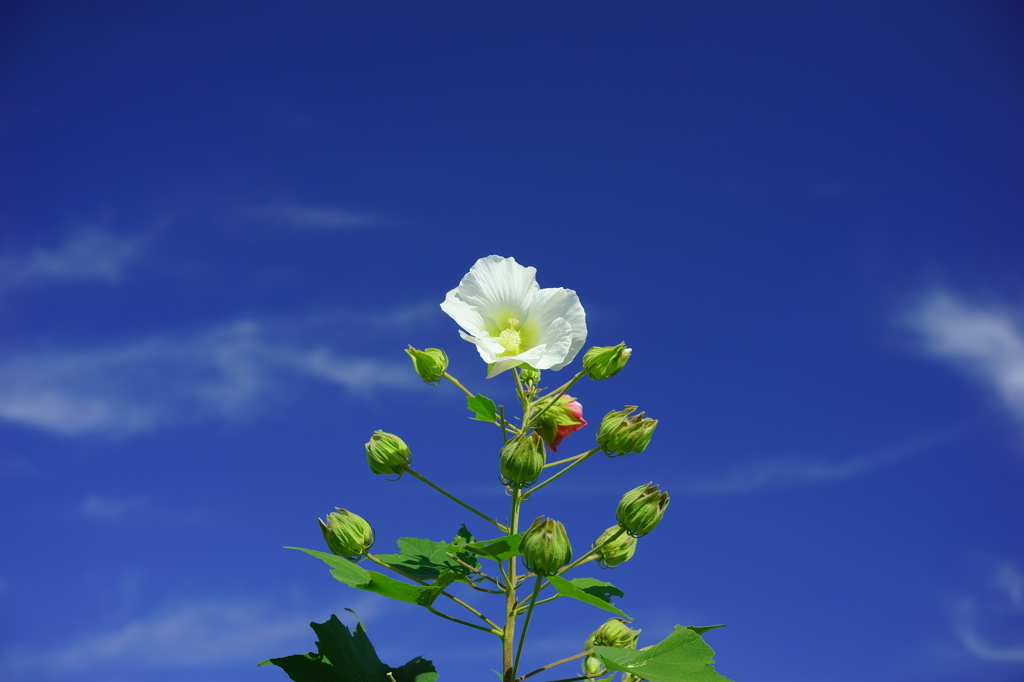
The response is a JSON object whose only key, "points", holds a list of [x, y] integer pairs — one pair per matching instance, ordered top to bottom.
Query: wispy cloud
{"points": [[319, 217], [87, 254], [985, 342], [227, 372], [785, 472], [102, 508], [972, 615], [190, 636]]}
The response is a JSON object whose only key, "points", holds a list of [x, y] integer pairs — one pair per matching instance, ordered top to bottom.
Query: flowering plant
{"points": [[518, 327]]}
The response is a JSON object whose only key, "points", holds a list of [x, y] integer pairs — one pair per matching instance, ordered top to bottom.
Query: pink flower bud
{"points": [[559, 420]]}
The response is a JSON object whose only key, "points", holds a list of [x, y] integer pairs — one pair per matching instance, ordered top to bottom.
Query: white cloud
{"points": [[320, 217], [87, 254], [985, 342], [229, 371], [775, 473], [109, 509], [971, 615], [190, 636]]}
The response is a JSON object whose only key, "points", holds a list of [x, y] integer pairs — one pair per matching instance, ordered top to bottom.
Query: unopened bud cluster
{"points": [[605, 362], [430, 364], [529, 375], [622, 434], [386, 453], [522, 460], [641, 509], [347, 534], [545, 547], [614, 547], [614, 633]]}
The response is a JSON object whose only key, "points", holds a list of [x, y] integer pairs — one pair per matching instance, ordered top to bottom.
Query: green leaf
{"points": [[482, 407], [498, 549], [427, 560], [342, 569], [596, 588], [589, 594], [428, 595], [701, 629], [683, 656], [344, 657]]}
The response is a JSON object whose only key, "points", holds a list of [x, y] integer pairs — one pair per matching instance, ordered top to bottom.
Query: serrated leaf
{"points": [[482, 407], [498, 549], [426, 560], [347, 571], [597, 588], [568, 589], [701, 629], [683, 656], [344, 657]]}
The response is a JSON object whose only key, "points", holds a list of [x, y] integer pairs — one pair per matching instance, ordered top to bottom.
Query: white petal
{"points": [[495, 289], [547, 308], [485, 345], [502, 365]]}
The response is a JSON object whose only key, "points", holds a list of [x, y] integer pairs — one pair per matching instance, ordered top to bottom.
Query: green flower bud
{"points": [[605, 362], [430, 364], [529, 375], [621, 434], [387, 453], [522, 460], [641, 509], [347, 534], [545, 547], [611, 554], [615, 633], [592, 664]]}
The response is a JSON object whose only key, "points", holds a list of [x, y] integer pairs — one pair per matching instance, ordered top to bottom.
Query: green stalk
{"points": [[456, 382], [582, 458], [455, 499], [526, 625], [508, 637]]}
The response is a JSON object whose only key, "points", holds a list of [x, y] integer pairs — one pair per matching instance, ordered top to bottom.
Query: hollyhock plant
{"points": [[512, 321], [559, 420], [511, 573]]}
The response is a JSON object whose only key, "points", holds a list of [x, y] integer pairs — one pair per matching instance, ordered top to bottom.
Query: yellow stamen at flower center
{"points": [[509, 338]]}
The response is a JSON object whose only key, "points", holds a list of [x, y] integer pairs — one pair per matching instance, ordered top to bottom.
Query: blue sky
{"points": [[220, 224]]}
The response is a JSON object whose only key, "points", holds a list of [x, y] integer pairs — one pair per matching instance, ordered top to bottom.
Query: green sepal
{"points": [[482, 407], [498, 549], [590, 591], [683, 656], [356, 659]]}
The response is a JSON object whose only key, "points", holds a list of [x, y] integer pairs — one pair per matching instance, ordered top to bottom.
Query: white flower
{"points": [[512, 320]]}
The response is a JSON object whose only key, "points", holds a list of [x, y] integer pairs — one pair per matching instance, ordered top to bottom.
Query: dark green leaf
{"points": [[482, 407], [498, 549], [427, 560], [342, 569], [596, 588], [568, 589], [701, 629], [683, 656], [344, 657], [305, 668]]}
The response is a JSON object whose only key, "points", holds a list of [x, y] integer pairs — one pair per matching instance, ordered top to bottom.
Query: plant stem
{"points": [[456, 382], [553, 398], [567, 459], [581, 459], [455, 499], [586, 557], [475, 570], [542, 601], [526, 625], [494, 626], [508, 637], [552, 665]]}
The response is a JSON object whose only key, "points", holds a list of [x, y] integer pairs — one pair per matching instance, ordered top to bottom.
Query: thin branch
{"points": [[456, 382], [563, 471], [455, 499], [552, 665]]}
